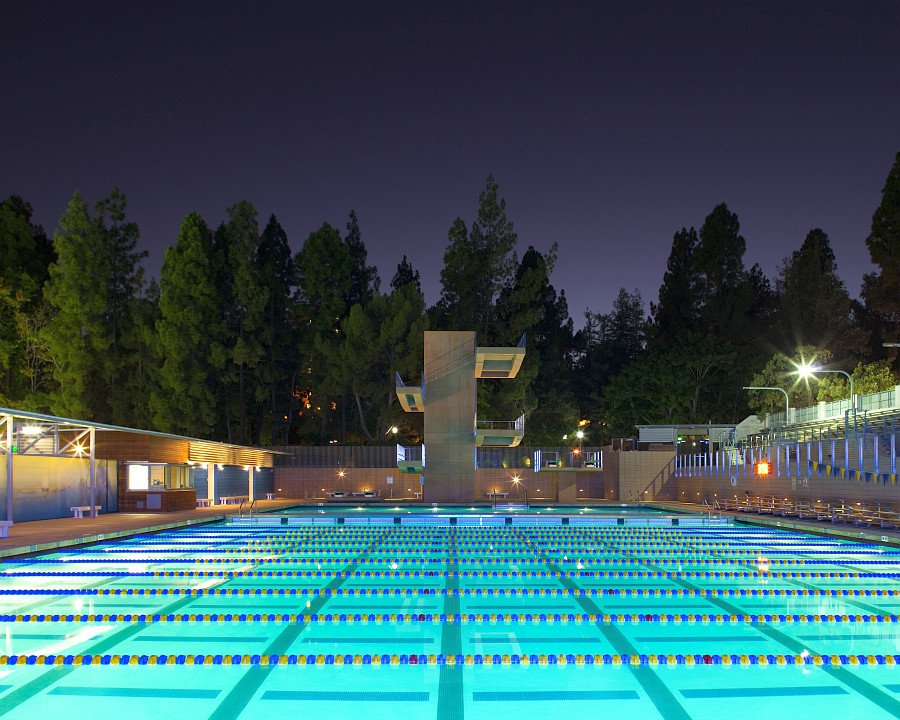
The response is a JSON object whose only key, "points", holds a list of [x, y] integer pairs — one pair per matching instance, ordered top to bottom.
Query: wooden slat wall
{"points": [[168, 450], [211, 452]]}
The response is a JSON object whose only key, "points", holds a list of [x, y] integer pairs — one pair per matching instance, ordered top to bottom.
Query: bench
{"points": [[496, 494], [270, 496], [233, 499], [204, 502], [79, 510], [5, 525]]}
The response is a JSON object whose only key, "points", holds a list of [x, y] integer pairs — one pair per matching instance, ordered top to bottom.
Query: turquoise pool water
{"points": [[350, 508], [320, 616]]}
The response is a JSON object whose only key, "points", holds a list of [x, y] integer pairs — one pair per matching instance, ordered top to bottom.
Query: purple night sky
{"points": [[608, 125]]}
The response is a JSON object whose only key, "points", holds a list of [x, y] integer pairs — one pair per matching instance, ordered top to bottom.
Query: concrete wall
{"points": [[450, 401], [637, 469], [563, 486], [46, 487]]}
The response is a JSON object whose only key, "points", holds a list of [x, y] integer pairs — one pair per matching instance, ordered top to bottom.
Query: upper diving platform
{"points": [[499, 362], [411, 397], [499, 433]]}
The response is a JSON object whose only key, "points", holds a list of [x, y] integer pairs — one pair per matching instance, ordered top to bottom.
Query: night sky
{"points": [[608, 125]]}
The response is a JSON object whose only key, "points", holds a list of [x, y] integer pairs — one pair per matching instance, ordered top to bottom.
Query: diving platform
{"points": [[499, 362], [411, 397], [499, 433], [411, 459], [577, 460]]}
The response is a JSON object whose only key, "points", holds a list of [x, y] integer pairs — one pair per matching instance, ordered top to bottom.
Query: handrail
{"points": [[241, 510], [250, 511]]}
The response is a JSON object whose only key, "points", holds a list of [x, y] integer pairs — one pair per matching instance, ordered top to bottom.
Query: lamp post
{"points": [[805, 371], [787, 402]]}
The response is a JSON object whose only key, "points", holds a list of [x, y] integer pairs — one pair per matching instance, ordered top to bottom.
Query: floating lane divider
{"points": [[523, 560], [444, 573], [461, 592], [463, 618], [475, 659]]}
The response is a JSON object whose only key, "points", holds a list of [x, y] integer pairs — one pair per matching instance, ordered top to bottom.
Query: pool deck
{"points": [[862, 533], [44, 535]]}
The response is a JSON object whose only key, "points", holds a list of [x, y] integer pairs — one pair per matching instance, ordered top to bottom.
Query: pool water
{"points": [[351, 508], [336, 618]]}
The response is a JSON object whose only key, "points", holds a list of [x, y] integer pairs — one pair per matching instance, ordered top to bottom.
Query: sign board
{"points": [[390, 479]]}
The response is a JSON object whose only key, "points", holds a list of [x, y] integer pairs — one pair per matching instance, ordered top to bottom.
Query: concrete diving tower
{"points": [[499, 362], [411, 397]]}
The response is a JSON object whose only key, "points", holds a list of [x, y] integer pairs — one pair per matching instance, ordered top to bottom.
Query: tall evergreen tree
{"points": [[25, 250], [25, 256], [719, 263], [478, 264], [277, 269], [324, 270], [405, 275], [364, 281], [124, 284], [881, 290], [248, 300], [679, 301], [814, 307], [190, 329], [78, 336]]}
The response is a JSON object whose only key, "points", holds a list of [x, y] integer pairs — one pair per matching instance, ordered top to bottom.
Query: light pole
{"points": [[805, 371], [787, 402]]}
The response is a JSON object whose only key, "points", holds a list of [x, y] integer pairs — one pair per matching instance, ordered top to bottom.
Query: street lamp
{"points": [[806, 371], [787, 402]]}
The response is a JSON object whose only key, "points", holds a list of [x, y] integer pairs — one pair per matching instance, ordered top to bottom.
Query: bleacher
{"points": [[839, 512]]}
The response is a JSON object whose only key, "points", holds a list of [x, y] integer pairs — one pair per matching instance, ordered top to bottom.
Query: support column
{"points": [[92, 435], [9, 468], [250, 470], [211, 482]]}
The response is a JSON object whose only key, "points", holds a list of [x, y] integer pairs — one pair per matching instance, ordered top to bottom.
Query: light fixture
{"points": [[31, 430]]}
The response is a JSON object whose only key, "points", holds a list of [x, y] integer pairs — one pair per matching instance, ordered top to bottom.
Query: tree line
{"points": [[245, 341]]}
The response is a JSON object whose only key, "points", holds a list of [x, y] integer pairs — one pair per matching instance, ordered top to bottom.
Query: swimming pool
{"points": [[301, 614]]}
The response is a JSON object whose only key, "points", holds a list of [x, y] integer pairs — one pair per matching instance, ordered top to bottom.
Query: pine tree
{"points": [[25, 257], [478, 264], [277, 270], [406, 274], [364, 281], [124, 285], [882, 290], [679, 296], [248, 299], [814, 307], [190, 329], [78, 336]]}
